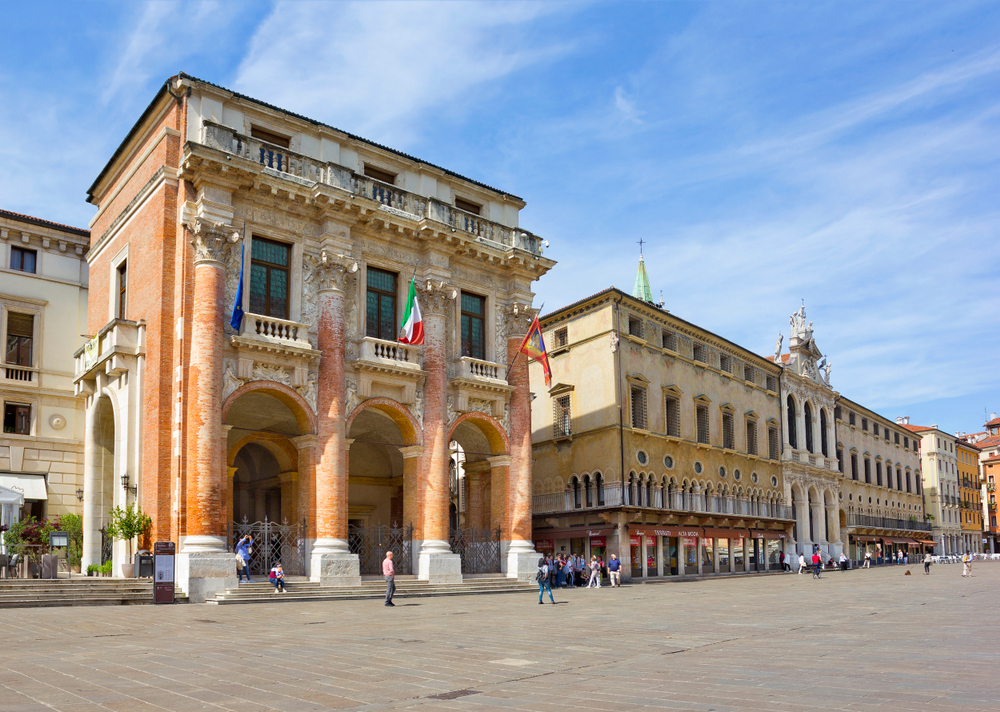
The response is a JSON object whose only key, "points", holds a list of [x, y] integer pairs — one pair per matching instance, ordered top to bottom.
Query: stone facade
{"points": [[43, 304], [310, 410], [939, 466], [970, 496]]}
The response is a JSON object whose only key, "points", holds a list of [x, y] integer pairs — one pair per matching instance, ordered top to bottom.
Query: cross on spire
{"points": [[640, 246]]}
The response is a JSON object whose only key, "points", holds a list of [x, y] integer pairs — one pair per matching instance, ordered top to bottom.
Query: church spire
{"points": [[641, 289]]}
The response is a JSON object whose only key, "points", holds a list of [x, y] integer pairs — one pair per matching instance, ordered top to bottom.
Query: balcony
{"points": [[304, 170], [260, 334], [114, 350], [387, 368], [18, 375], [479, 385], [611, 496], [872, 522]]}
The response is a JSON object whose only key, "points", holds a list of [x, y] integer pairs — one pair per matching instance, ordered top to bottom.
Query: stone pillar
{"points": [[499, 472], [226, 474], [92, 476], [230, 492], [289, 496], [474, 509], [802, 516], [815, 520], [521, 554], [681, 557], [331, 561], [435, 562], [204, 567], [660, 567]]}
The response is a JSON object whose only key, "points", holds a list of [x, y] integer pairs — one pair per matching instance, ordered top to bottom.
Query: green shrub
{"points": [[128, 523], [105, 568], [93, 569]]}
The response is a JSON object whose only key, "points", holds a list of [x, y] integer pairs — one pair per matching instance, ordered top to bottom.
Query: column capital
{"points": [[212, 241], [333, 270], [435, 296], [518, 318], [304, 442], [411, 451], [499, 460], [476, 468], [231, 472]]}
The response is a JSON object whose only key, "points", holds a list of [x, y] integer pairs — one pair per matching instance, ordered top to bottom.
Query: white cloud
{"points": [[143, 48], [380, 69]]}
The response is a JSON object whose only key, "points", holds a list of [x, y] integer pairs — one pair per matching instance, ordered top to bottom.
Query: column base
{"points": [[522, 561], [436, 563], [335, 569], [202, 574]]}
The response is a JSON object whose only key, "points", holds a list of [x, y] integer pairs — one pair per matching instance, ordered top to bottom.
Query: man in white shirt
{"points": [[802, 562]]}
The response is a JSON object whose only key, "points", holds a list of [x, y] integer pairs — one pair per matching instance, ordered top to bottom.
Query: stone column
{"points": [[499, 472], [226, 474], [92, 475], [289, 498], [474, 508], [802, 515], [815, 519], [521, 554], [331, 561], [435, 562], [204, 567]]}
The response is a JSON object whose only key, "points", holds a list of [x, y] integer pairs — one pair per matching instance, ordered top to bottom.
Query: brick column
{"points": [[306, 446], [499, 473], [226, 474], [474, 505], [521, 554], [435, 561], [332, 563], [203, 565]]}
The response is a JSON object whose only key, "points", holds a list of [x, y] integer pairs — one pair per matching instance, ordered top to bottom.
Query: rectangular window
{"points": [[270, 137], [379, 174], [468, 206], [22, 260], [269, 278], [122, 288], [380, 306], [473, 326], [635, 326], [20, 331], [561, 337], [669, 340], [700, 353], [725, 363], [748, 373], [772, 383], [638, 407], [837, 413], [672, 416], [701, 416], [17, 419], [851, 419], [561, 420], [864, 424], [875, 429], [728, 437], [752, 437], [896, 438], [906, 442], [772, 443], [840, 460], [854, 466], [868, 471], [878, 474]]}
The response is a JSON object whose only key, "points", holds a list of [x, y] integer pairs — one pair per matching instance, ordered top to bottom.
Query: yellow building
{"points": [[969, 496]]}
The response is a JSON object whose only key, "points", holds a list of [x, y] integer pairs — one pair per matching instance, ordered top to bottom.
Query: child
{"points": [[277, 577]]}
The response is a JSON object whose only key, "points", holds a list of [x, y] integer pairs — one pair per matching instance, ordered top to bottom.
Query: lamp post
{"points": [[134, 490]]}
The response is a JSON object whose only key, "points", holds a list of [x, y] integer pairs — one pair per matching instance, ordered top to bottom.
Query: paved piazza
{"points": [[864, 640]]}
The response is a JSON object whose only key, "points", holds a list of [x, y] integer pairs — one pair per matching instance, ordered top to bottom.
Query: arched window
{"points": [[807, 412], [822, 433], [792, 440], [599, 478], [574, 483], [588, 488]]}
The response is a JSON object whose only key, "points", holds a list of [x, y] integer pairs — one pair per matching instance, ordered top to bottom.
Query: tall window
{"points": [[22, 260], [269, 278], [122, 288], [380, 315], [473, 326], [20, 328], [669, 340], [638, 407], [672, 413], [808, 413], [701, 416], [17, 419], [562, 422], [864, 424], [728, 437], [752, 437], [792, 440], [772, 443], [824, 448], [840, 460], [854, 466], [868, 471]]}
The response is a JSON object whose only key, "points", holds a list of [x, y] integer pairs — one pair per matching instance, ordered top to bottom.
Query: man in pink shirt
{"points": [[390, 578]]}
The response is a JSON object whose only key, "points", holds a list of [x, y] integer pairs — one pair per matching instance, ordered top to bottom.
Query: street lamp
{"points": [[133, 490], [79, 495]]}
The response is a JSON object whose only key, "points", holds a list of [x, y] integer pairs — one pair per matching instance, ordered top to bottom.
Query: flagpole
{"points": [[511, 364]]}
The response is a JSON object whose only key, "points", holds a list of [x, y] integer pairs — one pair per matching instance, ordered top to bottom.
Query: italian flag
{"points": [[412, 330]]}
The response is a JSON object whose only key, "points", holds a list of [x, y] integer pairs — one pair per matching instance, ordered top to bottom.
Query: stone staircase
{"points": [[407, 587], [78, 591]]}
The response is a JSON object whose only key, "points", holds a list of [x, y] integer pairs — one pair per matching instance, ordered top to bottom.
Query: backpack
{"points": [[541, 575]]}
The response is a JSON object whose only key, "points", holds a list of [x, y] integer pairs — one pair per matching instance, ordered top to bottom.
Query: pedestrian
{"points": [[243, 550], [899, 557], [906, 558], [868, 559], [781, 560], [802, 562], [843, 562], [927, 563], [817, 564], [967, 564], [553, 566], [602, 569], [389, 571], [614, 571], [567, 573], [595, 573], [277, 577], [542, 578]]}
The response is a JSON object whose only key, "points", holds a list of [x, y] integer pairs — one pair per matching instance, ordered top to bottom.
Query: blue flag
{"points": [[237, 319]]}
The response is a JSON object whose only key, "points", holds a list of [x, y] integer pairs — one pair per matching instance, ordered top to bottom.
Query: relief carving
{"points": [[212, 241], [332, 271], [232, 285], [434, 296], [309, 310], [519, 318], [501, 336], [269, 372], [230, 383], [308, 391], [351, 393], [481, 406], [418, 407], [452, 413]]}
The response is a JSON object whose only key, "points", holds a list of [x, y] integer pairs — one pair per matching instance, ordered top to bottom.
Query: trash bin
{"points": [[143, 564]]}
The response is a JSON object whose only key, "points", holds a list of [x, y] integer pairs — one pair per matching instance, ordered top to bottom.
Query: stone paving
{"points": [[861, 640]]}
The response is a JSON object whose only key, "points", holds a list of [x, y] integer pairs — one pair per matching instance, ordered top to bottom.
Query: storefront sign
{"points": [[665, 531], [726, 533], [768, 534], [633, 540], [598, 541], [650, 541], [690, 541], [546, 544]]}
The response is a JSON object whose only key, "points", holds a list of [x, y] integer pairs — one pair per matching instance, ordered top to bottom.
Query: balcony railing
{"points": [[300, 168], [269, 328], [391, 352], [475, 369], [19, 374], [611, 495], [873, 522]]}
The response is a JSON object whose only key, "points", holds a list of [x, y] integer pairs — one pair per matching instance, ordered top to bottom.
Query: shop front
{"points": [[576, 541], [768, 545], [729, 546], [663, 551]]}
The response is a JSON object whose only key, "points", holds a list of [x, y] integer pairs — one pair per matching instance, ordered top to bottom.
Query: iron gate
{"points": [[272, 542], [371, 543], [107, 546], [479, 549]]}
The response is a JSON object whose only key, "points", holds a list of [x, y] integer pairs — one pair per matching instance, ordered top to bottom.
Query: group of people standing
{"points": [[575, 571]]}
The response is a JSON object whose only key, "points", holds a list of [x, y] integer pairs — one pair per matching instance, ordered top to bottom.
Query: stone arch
{"points": [[301, 410], [792, 410], [408, 426], [490, 427], [283, 450]]}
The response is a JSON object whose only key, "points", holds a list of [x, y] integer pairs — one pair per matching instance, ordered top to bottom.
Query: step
{"points": [[421, 589]]}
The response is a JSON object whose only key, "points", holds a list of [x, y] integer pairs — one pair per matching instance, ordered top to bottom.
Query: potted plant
{"points": [[125, 525], [105, 568], [93, 569]]}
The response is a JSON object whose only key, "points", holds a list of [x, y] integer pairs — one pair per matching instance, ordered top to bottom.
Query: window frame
{"points": [[23, 251], [269, 267], [121, 273], [380, 293], [472, 316], [32, 350], [636, 388], [17, 406], [562, 413]]}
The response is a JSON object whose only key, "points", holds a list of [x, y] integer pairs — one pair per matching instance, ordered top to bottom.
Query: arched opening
{"points": [[808, 416], [792, 438], [824, 448], [375, 471], [101, 481], [256, 485]]}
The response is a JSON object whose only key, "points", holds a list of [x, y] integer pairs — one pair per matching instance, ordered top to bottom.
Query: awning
{"points": [[33, 486], [665, 531], [572, 533], [726, 533], [767, 534], [907, 540], [928, 542]]}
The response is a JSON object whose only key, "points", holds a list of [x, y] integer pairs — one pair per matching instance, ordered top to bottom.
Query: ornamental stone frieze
{"points": [[212, 241], [333, 271]]}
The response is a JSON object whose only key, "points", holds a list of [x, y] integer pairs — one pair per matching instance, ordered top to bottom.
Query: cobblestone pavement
{"points": [[861, 640]]}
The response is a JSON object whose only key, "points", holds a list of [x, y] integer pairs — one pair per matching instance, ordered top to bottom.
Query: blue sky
{"points": [[841, 153]]}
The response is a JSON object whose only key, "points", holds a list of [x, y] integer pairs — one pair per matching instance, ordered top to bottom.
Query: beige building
{"points": [[43, 313], [658, 441], [939, 466], [970, 496]]}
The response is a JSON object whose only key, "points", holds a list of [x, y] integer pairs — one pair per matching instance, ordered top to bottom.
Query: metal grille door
{"points": [[272, 542], [371, 543], [479, 549]]}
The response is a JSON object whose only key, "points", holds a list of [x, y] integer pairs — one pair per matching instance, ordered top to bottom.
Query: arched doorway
{"points": [[99, 483]]}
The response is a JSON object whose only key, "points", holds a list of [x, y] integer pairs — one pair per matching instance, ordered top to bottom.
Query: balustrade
{"points": [[272, 329], [373, 349], [474, 368], [17, 373], [675, 500], [874, 522]]}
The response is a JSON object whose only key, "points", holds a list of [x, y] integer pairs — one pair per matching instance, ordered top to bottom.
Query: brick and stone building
{"points": [[43, 308], [311, 412]]}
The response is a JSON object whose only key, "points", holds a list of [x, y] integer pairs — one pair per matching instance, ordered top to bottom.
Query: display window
{"points": [[722, 546], [636, 554], [690, 554], [751, 554], [774, 554], [670, 555], [707, 556], [738, 560], [651, 562]]}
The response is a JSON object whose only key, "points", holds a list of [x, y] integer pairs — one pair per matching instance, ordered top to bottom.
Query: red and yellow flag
{"points": [[533, 346]]}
